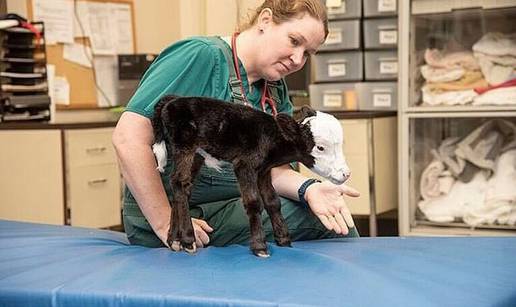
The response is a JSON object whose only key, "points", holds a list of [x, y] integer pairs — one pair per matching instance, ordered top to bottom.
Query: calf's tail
{"points": [[159, 148]]}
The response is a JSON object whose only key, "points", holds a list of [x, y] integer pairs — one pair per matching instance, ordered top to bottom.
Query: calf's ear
{"points": [[304, 112], [288, 127]]}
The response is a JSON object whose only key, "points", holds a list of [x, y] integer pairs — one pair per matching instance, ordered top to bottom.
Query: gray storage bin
{"points": [[373, 8], [348, 9], [381, 33], [343, 35], [381, 65], [338, 66], [333, 96], [377, 96]]}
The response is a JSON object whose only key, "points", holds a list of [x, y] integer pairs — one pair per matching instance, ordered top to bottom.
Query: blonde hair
{"points": [[285, 10]]}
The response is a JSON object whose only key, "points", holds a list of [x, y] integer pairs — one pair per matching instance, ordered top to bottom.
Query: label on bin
{"points": [[334, 3], [386, 5], [337, 9], [334, 36], [388, 37], [388, 67], [336, 70], [332, 100], [382, 100]]}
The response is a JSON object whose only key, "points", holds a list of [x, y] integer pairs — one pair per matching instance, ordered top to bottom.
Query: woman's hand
{"points": [[327, 202], [201, 230]]}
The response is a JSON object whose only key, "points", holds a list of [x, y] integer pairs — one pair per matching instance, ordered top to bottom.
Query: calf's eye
{"points": [[320, 148]]}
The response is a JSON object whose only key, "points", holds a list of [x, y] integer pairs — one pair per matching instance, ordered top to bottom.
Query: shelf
{"points": [[438, 6], [461, 109], [447, 230]]}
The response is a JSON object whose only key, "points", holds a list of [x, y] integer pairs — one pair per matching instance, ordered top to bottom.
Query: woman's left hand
{"points": [[327, 202]]}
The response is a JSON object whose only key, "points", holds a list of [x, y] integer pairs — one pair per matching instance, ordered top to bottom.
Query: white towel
{"points": [[495, 43], [436, 74], [497, 96], [447, 97], [435, 181], [462, 195], [500, 196]]}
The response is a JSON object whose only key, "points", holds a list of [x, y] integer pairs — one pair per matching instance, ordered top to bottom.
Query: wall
{"points": [[158, 23]]}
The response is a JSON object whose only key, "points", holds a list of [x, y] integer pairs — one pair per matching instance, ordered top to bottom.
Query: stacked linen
{"points": [[496, 55], [450, 78], [473, 179]]}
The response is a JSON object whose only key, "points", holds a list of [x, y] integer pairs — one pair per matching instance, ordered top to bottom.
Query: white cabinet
{"points": [[438, 108], [371, 152], [59, 174], [31, 176], [93, 179]]}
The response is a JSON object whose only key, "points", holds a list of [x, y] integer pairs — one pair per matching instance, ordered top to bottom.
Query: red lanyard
{"points": [[265, 99]]}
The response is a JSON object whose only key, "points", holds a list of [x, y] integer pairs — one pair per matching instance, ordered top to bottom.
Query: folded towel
{"points": [[496, 43], [438, 59], [493, 72], [436, 74], [469, 81], [498, 96], [440, 97]]}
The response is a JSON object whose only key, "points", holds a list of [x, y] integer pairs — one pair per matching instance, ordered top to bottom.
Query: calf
{"points": [[197, 131]]}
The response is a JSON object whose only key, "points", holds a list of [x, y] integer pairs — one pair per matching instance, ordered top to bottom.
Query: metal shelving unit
{"points": [[422, 127]]}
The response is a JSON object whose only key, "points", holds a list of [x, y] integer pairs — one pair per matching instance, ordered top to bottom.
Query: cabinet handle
{"points": [[96, 149], [97, 181]]}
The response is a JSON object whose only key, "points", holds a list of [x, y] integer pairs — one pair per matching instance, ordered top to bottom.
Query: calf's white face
{"points": [[329, 158]]}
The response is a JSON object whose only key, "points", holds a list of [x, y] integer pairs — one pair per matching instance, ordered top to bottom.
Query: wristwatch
{"points": [[302, 190]]}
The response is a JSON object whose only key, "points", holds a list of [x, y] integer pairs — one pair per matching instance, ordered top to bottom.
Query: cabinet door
{"points": [[356, 151], [31, 176], [94, 196]]}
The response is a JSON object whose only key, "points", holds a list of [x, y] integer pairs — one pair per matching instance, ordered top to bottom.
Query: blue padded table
{"points": [[44, 265]]}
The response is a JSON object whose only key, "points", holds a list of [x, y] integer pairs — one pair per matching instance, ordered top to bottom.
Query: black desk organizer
{"points": [[23, 75]]}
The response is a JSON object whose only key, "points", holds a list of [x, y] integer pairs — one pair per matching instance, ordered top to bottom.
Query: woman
{"points": [[277, 42]]}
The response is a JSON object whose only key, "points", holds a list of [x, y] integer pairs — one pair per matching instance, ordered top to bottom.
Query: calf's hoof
{"points": [[284, 242], [176, 246], [191, 248], [260, 251]]}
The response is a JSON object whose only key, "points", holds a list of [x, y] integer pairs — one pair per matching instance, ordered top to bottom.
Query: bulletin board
{"points": [[83, 92]]}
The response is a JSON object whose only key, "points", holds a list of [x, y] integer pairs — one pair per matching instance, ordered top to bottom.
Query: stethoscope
{"points": [[266, 98]]}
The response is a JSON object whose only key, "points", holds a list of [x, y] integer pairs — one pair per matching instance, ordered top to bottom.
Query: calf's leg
{"points": [[248, 181], [272, 205], [181, 233]]}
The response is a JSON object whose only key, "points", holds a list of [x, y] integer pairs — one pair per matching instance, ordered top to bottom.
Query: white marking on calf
{"points": [[160, 151], [329, 159], [209, 160]]}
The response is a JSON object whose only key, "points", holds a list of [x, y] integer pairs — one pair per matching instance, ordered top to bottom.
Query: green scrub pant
{"points": [[227, 217]]}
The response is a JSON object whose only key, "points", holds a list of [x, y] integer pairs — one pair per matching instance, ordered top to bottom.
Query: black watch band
{"points": [[302, 190]]}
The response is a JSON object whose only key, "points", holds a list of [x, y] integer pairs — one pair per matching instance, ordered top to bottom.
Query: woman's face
{"points": [[287, 46]]}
